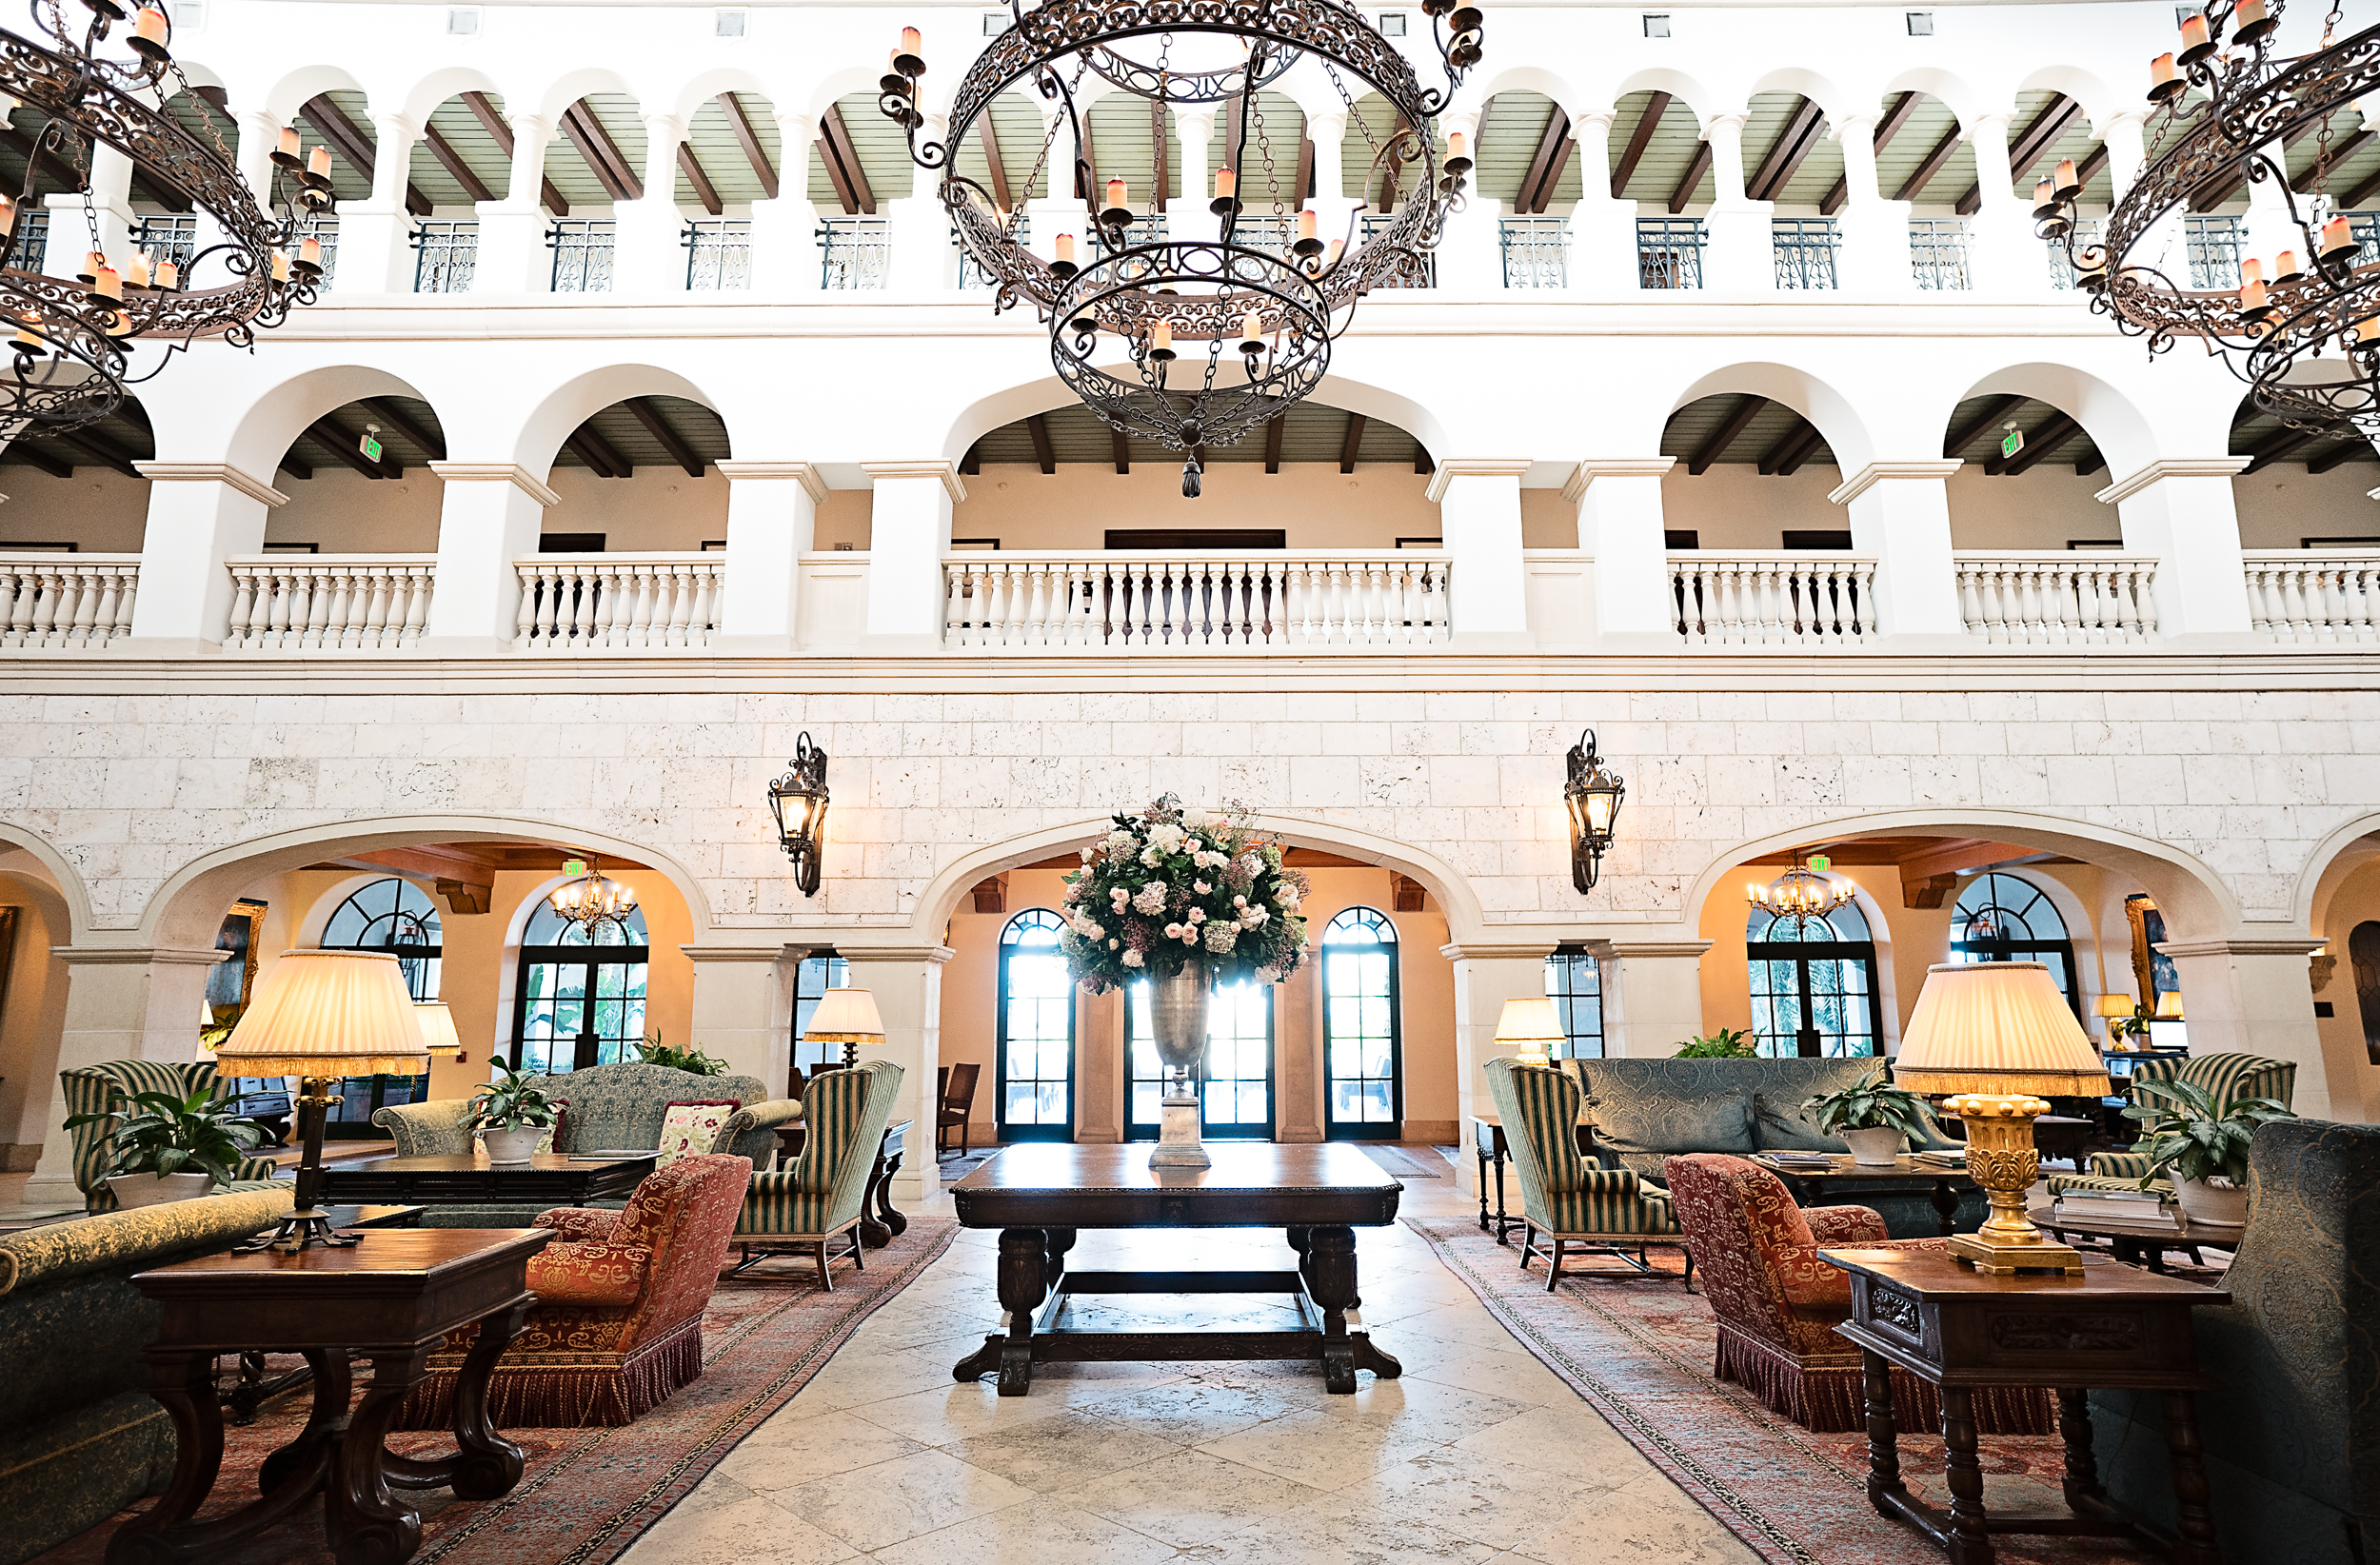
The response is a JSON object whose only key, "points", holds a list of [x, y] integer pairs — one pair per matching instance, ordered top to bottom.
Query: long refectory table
{"points": [[1039, 1195]]}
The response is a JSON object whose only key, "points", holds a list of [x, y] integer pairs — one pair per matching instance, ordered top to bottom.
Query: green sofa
{"points": [[609, 1106], [1645, 1111], [2292, 1427], [80, 1437]]}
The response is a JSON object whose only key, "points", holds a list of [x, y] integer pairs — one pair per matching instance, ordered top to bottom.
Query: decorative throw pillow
{"points": [[1718, 1122], [1783, 1127], [690, 1128]]}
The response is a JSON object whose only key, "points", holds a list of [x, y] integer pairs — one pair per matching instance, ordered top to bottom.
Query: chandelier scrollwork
{"points": [[2305, 335], [73, 337], [1194, 341]]}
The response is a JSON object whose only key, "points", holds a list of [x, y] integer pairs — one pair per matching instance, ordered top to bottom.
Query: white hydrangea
{"points": [[1194, 817], [1166, 838], [1117, 841], [1287, 896], [1150, 898], [1253, 918], [1220, 937], [1132, 959]]}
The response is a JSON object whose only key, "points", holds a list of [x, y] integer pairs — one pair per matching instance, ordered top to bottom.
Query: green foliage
{"points": [[1723, 1044], [654, 1052], [508, 1102], [1874, 1104], [162, 1134], [2188, 1138]]}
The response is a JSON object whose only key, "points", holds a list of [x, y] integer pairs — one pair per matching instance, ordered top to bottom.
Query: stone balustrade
{"points": [[2306, 597], [2075, 598], [74, 601], [329, 601], [1385, 601], [1800, 601], [588, 602]]}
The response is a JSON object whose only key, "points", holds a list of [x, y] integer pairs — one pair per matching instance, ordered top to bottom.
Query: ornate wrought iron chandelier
{"points": [[73, 335], [2306, 335], [1216, 336], [1803, 894]]}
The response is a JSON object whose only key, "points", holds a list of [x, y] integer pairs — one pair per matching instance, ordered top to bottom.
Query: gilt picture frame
{"points": [[2152, 971]]}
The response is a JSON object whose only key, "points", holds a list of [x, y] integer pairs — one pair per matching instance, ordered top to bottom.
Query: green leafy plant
{"points": [[1725, 1044], [654, 1052], [508, 1102], [1874, 1104], [161, 1134], [2186, 1136]]}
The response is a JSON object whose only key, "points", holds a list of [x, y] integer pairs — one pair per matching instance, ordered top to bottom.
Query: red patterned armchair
{"points": [[1777, 1303], [618, 1324]]}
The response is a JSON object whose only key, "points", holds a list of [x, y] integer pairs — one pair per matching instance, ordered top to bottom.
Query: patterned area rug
{"points": [[1408, 1162], [1640, 1350], [588, 1492]]}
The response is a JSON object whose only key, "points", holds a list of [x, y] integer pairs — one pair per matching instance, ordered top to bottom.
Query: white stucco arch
{"points": [[302, 86], [439, 86], [2085, 88], [558, 95], [1962, 98], [1012, 402], [560, 410], [2109, 415], [187, 428], [1848, 434], [2337, 856], [64, 880]]}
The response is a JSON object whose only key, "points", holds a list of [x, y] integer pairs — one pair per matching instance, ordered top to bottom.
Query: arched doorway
{"points": [[394, 916], [2005, 918], [1813, 984], [579, 1001], [1035, 1031], [1236, 1102]]}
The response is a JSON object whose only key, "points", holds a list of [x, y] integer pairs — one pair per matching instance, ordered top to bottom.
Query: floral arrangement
{"points": [[1177, 884]]}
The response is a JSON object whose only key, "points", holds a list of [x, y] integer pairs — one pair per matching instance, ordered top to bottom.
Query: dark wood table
{"points": [[551, 1178], [1842, 1183], [1038, 1195], [877, 1230], [2138, 1243], [391, 1298], [2113, 1327], [252, 1386]]}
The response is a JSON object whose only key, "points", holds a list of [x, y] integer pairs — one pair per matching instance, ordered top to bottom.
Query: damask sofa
{"points": [[90, 1088], [607, 1107], [1643, 1112], [2291, 1426], [80, 1437]]}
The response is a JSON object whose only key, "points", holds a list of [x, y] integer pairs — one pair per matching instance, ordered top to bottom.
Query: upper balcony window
{"points": [[1657, 26]]}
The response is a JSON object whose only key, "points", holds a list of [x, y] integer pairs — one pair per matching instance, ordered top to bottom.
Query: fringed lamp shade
{"points": [[328, 1013], [847, 1017], [1997, 1028], [438, 1034]]}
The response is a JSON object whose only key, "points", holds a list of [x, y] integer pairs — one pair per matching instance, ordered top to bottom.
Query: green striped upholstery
{"points": [[2226, 1078], [89, 1089], [846, 1113], [1559, 1192]]}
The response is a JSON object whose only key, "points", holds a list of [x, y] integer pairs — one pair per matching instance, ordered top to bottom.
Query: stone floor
{"points": [[1477, 1453]]}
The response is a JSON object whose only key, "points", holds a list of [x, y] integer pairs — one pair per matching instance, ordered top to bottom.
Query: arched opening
{"points": [[1923, 158], [1526, 159], [728, 160], [861, 161], [598, 162], [1789, 162], [2037, 443], [1752, 473], [2302, 489], [76, 491], [345, 499], [394, 916], [2004, 917], [34, 919], [1811, 981], [579, 1000], [1362, 1034], [1035, 1069]]}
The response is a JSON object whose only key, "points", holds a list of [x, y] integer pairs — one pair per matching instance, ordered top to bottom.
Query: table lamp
{"points": [[2170, 1005], [2110, 1010], [321, 1015], [847, 1017], [1532, 1024], [1997, 1033], [438, 1034]]}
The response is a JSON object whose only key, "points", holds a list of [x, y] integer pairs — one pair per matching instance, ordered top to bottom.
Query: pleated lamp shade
{"points": [[2115, 1006], [328, 1013], [846, 1015], [2000, 1027], [438, 1034]]}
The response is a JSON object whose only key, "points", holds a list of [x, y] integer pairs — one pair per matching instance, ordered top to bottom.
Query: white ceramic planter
{"points": [[517, 1145], [1875, 1148], [156, 1189], [2213, 1206]]}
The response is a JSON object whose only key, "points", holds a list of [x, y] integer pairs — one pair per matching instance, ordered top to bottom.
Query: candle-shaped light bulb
{"points": [[2248, 14], [148, 25], [2194, 30], [912, 42], [2163, 76], [1455, 142], [291, 144], [318, 163], [2066, 178], [1226, 184], [1118, 191], [2044, 195], [8, 214], [1305, 224], [2338, 238], [1065, 248], [310, 251], [1330, 256], [92, 261], [281, 265], [2285, 268], [2251, 270], [137, 271], [167, 276], [106, 283], [2251, 296], [1252, 328], [2368, 332], [26, 336], [1161, 337]]}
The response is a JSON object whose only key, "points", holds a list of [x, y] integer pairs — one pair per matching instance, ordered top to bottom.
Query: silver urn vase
{"points": [[1177, 1021]]}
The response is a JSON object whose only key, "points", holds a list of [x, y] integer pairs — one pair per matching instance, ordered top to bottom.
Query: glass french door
{"points": [[1813, 985], [576, 1004], [1035, 1031], [1362, 1089], [1236, 1100]]}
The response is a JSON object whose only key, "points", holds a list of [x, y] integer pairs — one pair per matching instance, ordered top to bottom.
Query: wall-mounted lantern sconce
{"points": [[1593, 795], [800, 800]]}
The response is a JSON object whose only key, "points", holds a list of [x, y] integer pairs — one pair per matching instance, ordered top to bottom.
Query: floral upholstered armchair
{"points": [[90, 1088], [820, 1196], [1565, 1196], [1778, 1304], [618, 1324]]}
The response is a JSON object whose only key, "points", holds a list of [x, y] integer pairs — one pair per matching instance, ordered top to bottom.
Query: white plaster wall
{"points": [[1314, 503], [1733, 505], [2285, 505], [347, 513]]}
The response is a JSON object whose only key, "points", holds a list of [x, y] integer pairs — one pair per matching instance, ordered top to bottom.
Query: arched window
{"points": [[395, 916], [2005, 918], [1813, 986], [578, 1004], [1035, 1031], [1362, 1042]]}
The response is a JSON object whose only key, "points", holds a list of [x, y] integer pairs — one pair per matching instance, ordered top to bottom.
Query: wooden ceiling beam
{"points": [[1887, 128], [500, 131], [2039, 137], [747, 138], [990, 139], [1638, 139], [347, 140], [1786, 153], [601, 155], [451, 161], [1930, 166], [1537, 182], [852, 184], [1303, 190], [704, 192], [2361, 193], [1681, 197], [1994, 411], [657, 424], [1038, 425], [410, 427], [1720, 439], [340, 443], [1271, 443], [2038, 444], [2282, 445], [1347, 447], [99, 448], [1121, 448], [26, 451], [599, 453], [2340, 455], [1785, 458], [2092, 462], [293, 467]]}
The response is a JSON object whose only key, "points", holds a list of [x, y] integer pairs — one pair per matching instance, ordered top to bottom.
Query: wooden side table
{"points": [[1487, 1141], [391, 1298], [1959, 1329]]}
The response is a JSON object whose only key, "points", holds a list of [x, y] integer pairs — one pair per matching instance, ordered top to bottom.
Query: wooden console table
{"points": [[552, 1178], [1040, 1195], [391, 1298], [2113, 1327]]}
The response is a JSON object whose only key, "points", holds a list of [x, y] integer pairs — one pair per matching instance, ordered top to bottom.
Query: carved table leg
{"points": [[1946, 1207], [894, 1220], [1503, 1223], [1484, 1225], [874, 1233], [1053, 1259], [1024, 1260], [1330, 1274], [184, 1383], [310, 1452], [1884, 1455], [486, 1464], [2083, 1490], [368, 1525], [1967, 1542], [2194, 1542]]}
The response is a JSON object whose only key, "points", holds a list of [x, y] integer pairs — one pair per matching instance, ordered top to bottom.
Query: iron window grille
{"points": [[2365, 228], [170, 238], [33, 242], [582, 249], [1805, 249], [2213, 251], [856, 252], [1536, 252], [445, 253], [1669, 253], [1937, 253], [718, 255], [1575, 984], [1813, 988], [1034, 1031], [1362, 1036]]}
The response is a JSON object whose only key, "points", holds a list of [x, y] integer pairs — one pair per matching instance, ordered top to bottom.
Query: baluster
{"points": [[710, 579], [131, 580], [17, 583], [677, 583], [662, 587], [47, 590], [102, 591], [954, 595], [1970, 600], [407, 603], [560, 603], [2293, 604], [621, 607], [2358, 612], [76, 613], [2134, 614], [525, 621], [243, 630]]}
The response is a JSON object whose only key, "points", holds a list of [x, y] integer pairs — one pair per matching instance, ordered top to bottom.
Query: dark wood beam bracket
{"points": [[1724, 436]]}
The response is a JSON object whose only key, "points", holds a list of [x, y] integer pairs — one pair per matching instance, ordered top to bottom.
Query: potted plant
{"points": [[1723, 1044], [692, 1059], [511, 1114], [1875, 1118], [168, 1148], [2201, 1148]]}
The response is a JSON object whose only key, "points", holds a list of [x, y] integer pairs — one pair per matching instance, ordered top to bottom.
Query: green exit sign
{"points": [[2011, 442], [371, 448], [1820, 862]]}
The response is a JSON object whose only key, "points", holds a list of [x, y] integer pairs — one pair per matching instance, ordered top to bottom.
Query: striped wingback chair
{"points": [[2226, 1078], [90, 1089], [1562, 1196], [803, 1207]]}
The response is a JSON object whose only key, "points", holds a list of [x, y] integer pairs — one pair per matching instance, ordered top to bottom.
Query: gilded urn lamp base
{"points": [[2001, 1156]]}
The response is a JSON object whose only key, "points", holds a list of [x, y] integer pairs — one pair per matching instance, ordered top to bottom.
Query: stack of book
{"points": [[1940, 1158], [1816, 1162], [2114, 1206]]}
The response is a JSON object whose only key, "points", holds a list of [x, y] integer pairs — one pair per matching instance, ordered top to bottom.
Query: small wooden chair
{"points": [[953, 1100]]}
